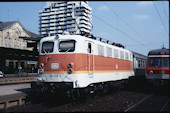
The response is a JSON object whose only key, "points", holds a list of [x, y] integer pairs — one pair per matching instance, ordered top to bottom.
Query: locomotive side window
{"points": [[67, 46], [47, 47], [100, 50], [109, 52], [121, 54], [116, 55], [126, 56], [155, 62], [166, 62]]}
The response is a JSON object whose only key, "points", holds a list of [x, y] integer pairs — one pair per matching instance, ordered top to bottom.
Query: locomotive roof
{"points": [[162, 51]]}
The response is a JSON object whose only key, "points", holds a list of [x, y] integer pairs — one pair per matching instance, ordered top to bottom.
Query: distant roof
{"points": [[5, 25], [33, 35], [162, 51], [134, 53]]}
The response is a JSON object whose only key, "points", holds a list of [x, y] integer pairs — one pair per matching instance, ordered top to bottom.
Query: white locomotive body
{"points": [[82, 62]]}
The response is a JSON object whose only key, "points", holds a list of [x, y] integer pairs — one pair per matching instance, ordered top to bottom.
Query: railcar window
{"points": [[67, 46], [47, 47], [100, 50], [109, 52], [116, 55], [155, 62], [166, 62], [139, 64]]}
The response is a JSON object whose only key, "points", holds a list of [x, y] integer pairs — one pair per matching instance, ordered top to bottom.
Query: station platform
{"points": [[14, 89], [13, 95]]}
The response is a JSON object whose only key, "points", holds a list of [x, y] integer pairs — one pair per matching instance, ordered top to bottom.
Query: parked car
{"points": [[1, 74]]}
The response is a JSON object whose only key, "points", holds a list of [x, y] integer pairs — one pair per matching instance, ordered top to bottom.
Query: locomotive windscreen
{"points": [[67, 46], [47, 47], [155, 62]]}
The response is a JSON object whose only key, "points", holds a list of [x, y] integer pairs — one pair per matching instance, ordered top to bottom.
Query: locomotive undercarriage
{"points": [[159, 82], [66, 88]]}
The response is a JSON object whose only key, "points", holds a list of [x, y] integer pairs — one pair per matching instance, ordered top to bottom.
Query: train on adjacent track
{"points": [[79, 65], [157, 67]]}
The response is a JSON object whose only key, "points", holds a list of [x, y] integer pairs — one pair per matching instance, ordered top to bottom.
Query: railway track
{"points": [[125, 99], [113, 101], [156, 102], [153, 103]]}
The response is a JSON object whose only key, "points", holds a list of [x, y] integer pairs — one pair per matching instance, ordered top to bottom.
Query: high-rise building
{"points": [[72, 16]]}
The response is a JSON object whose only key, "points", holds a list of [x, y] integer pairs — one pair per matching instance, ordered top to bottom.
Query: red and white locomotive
{"points": [[76, 64], [157, 67]]}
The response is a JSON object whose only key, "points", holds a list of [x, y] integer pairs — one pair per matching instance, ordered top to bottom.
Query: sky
{"points": [[140, 26]]}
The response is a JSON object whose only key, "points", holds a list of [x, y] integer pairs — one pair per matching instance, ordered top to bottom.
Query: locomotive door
{"points": [[90, 58]]}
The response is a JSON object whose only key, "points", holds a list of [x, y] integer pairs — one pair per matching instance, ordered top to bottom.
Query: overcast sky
{"points": [[139, 25]]}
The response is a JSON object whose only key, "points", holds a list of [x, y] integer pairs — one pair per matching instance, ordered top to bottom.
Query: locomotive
{"points": [[78, 65], [157, 67]]}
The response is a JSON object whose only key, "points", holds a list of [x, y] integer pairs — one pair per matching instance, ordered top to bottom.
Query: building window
{"points": [[16, 34], [6, 41], [9, 41], [15, 42], [18, 43], [24, 44]]}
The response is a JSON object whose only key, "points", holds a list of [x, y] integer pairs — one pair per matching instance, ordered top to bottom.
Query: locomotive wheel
{"points": [[75, 94]]}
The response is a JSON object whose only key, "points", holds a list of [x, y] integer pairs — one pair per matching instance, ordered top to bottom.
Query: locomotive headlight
{"points": [[41, 65], [70, 65], [70, 71], [150, 72]]}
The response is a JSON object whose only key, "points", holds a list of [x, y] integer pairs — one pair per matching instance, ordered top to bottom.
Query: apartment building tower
{"points": [[72, 16]]}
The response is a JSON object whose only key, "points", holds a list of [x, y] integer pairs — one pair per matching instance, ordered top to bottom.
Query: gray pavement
{"points": [[14, 89]]}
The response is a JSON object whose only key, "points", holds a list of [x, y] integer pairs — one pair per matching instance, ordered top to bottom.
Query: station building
{"points": [[71, 16], [17, 53]]}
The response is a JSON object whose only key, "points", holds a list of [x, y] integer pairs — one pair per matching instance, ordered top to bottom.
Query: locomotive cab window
{"points": [[67, 46], [47, 47]]}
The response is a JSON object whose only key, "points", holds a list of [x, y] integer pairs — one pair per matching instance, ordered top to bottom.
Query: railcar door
{"points": [[90, 58]]}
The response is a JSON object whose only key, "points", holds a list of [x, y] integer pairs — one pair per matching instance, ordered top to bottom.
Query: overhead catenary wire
{"points": [[165, 10], [160, 18], [126, 22], [121, 31], [150, 44]]}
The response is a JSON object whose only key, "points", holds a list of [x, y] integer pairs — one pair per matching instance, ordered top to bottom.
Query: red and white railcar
{"points": [[78, 62], [157, 67]]}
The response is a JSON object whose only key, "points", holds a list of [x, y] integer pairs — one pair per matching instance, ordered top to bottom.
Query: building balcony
{"points": [[45, 14], [44, 18], [44, 21], [44, 25]]}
